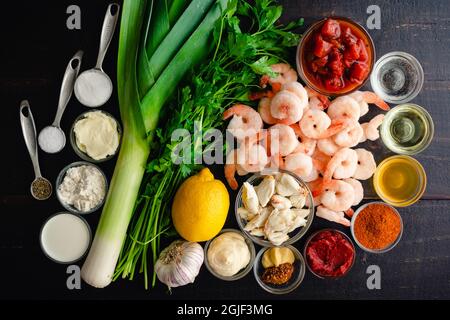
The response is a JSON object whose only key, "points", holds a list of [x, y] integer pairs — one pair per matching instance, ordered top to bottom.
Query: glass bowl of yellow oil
{"points": [[407, 129], [400, 180]]}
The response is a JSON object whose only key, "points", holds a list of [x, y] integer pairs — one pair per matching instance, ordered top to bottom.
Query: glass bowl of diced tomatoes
{"points": [[335, 56]]}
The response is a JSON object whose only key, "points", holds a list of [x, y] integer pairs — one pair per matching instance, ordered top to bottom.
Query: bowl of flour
{"points": [[81, 187]]}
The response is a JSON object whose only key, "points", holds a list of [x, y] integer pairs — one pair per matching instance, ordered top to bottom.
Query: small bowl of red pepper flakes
{"points": [[335, 56]]}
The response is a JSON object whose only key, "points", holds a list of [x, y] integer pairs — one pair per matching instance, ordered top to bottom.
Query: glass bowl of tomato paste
{"points": [[335, 56]]}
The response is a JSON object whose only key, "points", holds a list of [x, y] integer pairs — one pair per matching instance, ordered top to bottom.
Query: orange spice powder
{"points": [[377, 226]]}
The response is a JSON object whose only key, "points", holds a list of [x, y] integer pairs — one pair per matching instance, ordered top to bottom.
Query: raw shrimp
{"points": [[285, 74], [297, 89], [365, 97], [286, 106], [344, 106], [246, 121], [317, 125], [371, 130], [349, 136], [282, 139], [328, 146], [299, 162], [366, 164], [342, 165], [230, 169], [358, 190], [338, 195], [333, 216]]}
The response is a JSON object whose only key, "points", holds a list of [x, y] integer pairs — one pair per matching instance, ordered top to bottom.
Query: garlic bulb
{"points": [[179, 263]]}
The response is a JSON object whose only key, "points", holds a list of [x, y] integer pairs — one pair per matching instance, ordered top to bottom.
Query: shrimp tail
{"points": [[371, 97], [337, 125], [230, 171], [349, 212]]}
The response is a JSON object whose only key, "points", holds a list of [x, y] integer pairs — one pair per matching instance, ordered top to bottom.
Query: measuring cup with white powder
{"points": [[93, 87], [52, 139]]}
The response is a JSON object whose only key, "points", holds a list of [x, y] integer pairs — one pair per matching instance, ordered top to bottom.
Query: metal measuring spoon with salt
{"points": [[93, 87], [52, 138], [41, 188]]}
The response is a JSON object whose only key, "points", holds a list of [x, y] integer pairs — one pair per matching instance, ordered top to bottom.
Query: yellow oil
{"points": [[400, 180]]}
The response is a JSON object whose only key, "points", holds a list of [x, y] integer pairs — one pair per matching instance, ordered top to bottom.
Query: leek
{"points": [[139, 118], [111, 231]]}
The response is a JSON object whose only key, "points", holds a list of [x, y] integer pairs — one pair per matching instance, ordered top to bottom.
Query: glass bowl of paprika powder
{"points": [[335, 56], [376, 227]]}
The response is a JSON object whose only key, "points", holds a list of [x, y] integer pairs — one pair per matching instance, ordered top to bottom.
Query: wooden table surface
{"points": [[36, 46]]}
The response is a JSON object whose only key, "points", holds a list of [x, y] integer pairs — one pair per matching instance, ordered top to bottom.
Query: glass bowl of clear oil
{"points": [[407, 129], [400, 180]]}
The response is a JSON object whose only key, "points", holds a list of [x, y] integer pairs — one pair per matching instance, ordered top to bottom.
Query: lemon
{"points": [[200, 207]]}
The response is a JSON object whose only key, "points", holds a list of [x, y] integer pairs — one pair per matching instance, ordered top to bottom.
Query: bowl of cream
{"points": [[95, 136], [230, 255]]}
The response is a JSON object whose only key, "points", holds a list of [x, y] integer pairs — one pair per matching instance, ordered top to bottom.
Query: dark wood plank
{"points": [[32, 64]]}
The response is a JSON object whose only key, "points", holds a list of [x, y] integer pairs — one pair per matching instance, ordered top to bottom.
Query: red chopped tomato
{"points": [[331, 29], [348, 37], [321, 47], [363, 55], [336, 63], [358, 72], [333, 83]]}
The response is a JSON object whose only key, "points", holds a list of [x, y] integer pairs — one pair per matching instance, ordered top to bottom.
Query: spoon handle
{"points": [[109, 25], [67, 85], [29, 134]]}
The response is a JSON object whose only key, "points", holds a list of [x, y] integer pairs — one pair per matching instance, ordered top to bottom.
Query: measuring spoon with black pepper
{"points": [[41, 188]]}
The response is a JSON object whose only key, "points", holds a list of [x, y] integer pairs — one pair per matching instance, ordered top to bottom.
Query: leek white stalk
{"points": [[124, 187]]}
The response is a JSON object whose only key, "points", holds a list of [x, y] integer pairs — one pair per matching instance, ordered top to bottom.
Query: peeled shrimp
{"points": [[285, 73], [297, 89], [365, 97], [317, 100], [344, 106], [287, 107], [264, 111], [246, 121], [317, 125], [371, 129], [349, 136], [282, 139], [306, 145], [328, 146], [252, 157], [320, 160], [299, 162], [366, 164], [342, 165], [230, 169], [313, 175], [314, 185], [357, 189], [338, 195], [333, 216]]}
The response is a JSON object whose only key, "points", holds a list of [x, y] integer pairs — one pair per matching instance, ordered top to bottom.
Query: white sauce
{"points": [[65, 237]]}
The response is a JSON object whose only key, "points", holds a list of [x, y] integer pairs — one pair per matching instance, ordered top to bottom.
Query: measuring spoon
{"points": [[93, 87], [52, 138], [41, 188]]}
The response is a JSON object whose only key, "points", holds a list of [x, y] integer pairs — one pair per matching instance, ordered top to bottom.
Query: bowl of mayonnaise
{"points": [[230, 255]]}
